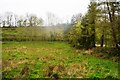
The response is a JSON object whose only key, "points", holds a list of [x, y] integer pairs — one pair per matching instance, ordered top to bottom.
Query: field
{"points": [[44, 59]]}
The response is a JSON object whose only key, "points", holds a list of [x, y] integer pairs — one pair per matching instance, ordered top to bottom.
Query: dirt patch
{"points": [[7, 65], [76, 70], [54, 71]]}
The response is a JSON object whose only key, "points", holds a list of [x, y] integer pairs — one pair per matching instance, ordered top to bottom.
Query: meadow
{"points": [[57, 44], [52, 59]]}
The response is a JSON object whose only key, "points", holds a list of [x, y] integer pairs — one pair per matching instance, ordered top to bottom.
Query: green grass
{"points": [[32, 33], [46, 59]]}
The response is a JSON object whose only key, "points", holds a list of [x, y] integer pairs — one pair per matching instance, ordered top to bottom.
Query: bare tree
{"points": [[9, 16], [76, 18], [52, 19], [15, 20], [34, 20], [20, 22], [25, 22], [3, 23]]}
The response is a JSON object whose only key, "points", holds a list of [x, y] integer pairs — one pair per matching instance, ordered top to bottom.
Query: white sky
{"points": [[62, 8]]}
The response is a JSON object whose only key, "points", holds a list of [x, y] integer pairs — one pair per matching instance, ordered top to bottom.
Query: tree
{"points": [[112, 10], [92, 13], [9, 16], [76, 18], [52, 19], [15, 20], [34, 20], [3, 22], [20, 22], [25, 22], [39, 22], [109, 22], [101, 24], [83, 32], [74, 35]]}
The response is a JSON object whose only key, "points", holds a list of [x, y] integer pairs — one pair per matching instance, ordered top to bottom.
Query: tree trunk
{"points": [[112, 16], [93, 34], [102, 40]]}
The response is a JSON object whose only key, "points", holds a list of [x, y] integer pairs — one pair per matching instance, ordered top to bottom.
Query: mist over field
{"points": [[59, 39]]}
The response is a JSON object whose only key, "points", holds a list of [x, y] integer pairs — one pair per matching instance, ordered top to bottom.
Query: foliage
{"points": [[95, 26], [74, 34], [82, 34]]}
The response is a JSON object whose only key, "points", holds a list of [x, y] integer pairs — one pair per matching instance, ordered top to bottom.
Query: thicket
{"points": [[99, 27]]}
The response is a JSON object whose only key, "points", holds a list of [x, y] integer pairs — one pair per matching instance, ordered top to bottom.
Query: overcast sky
{"points": [[61, 8]]}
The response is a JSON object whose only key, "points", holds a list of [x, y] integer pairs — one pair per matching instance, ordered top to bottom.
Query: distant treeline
{"points": [[99, 26]]}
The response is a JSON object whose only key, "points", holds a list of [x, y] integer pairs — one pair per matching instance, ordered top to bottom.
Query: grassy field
{"points": [[32, 33], [52, 59]]}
